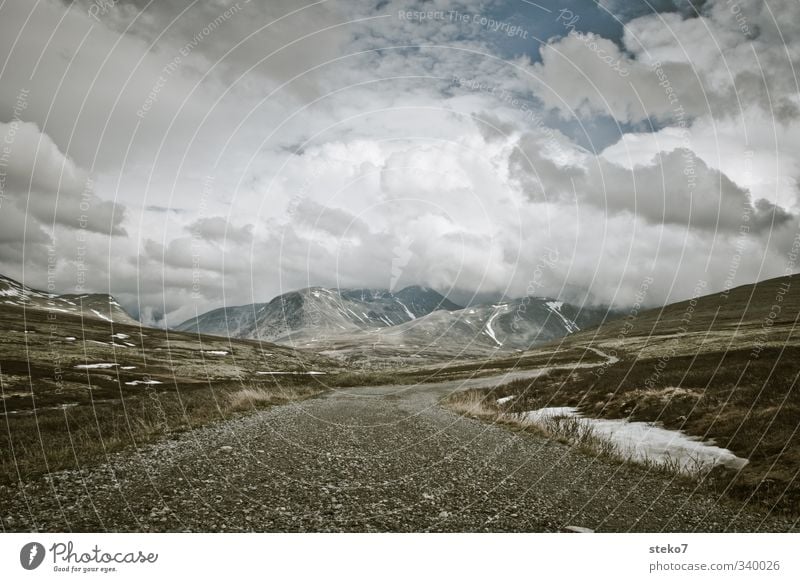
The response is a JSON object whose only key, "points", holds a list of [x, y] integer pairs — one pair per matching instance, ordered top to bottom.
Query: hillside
{"points": [[86, 305], [319, 312], [754, 317], [513, 325], [368, 327], [721, 368], [74, 387]]}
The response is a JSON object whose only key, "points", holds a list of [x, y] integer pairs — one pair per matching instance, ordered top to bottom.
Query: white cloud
{"points": [[442, 152], [49, 187]]}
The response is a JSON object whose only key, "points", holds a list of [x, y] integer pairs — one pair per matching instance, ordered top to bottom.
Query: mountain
{"points": [[87, 305], [318, 312], [512, 325], [364, 326]]}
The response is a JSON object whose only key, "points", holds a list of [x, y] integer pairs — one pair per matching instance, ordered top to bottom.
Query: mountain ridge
{"points": [[91, 305], [319, 311], [362, 324]]}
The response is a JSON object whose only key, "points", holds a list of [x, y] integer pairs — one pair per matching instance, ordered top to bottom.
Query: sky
{"points": [[184, 155]]}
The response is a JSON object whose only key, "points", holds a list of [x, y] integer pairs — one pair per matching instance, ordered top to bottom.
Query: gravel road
{"points": [[366, 459]]}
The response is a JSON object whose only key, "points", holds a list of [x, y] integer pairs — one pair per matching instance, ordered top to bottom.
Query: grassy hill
{"points": [[721, 367], [74, 388]]}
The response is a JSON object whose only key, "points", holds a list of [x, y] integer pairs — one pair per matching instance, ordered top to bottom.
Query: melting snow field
{"points": [[555, 308], [100, 315], [488, 330], [94, 366], [296, 373], [645, 441]]}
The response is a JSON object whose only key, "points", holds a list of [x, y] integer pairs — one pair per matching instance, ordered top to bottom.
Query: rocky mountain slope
{"points": [[87, 305], [319, 312], [417, 323], [512, 325]]}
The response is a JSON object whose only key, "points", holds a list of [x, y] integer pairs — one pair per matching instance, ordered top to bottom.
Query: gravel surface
{"points": [[367, 459]]}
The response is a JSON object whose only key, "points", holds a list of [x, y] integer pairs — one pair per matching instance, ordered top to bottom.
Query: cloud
{"points": [[725, 56], [585, 75], [325, 147], [49, 187], [676, 188], [218, 229]]}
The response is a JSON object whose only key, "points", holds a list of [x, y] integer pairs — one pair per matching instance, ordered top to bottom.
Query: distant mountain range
{"points": [[87, 305], [319, 312], [415, 319], [355, 324], [511, 325]]}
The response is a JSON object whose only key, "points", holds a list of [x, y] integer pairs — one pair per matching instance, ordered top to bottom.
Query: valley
{"points": [[433, 424], [372, 459]]}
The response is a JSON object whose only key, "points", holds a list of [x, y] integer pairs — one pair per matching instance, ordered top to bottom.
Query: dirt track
{"points": [[367, 459]]}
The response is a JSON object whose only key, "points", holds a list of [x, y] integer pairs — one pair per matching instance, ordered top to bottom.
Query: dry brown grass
{"points": [[254, 397], [472, 403], [750, 406], [570, 430], [80, 436]]}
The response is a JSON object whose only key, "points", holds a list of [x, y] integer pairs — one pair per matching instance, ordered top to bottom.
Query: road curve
{"points": [[383, 458]]}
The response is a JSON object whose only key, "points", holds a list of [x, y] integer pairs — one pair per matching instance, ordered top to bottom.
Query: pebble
{"points": [[390, 457]]}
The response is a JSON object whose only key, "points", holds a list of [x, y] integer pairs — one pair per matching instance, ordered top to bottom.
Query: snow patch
{"points": [[555, 308], [61, 310], [100, 315], [355, 315], [411, 315], [488, 329], [215, 352], [94, 366], [293, 373], [137, 382], [505, 399], [642, 441]]}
